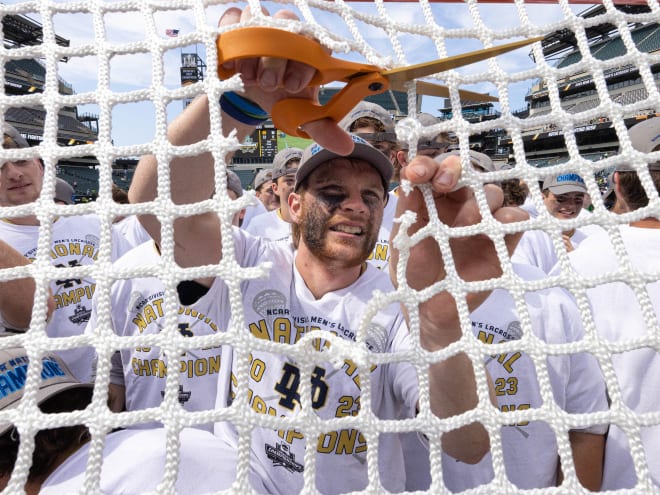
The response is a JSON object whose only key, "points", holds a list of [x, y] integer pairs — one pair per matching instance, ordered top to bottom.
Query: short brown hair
{"points": [[632, 191]]}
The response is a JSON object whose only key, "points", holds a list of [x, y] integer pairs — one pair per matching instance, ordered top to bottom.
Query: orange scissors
{"points": [[361, 80]]}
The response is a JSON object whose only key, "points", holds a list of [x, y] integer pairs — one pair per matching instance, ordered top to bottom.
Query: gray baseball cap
{"points": [[372, 111], [16, 136], [644, 137], [315, 155], [479, 161], [281, 165], [263, 176], [234, 183], [565, 183], [64, 191], [55, 378]]}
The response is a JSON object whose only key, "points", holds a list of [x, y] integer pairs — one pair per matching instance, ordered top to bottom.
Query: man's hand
{"points": [[269, 80], [474, 257]]}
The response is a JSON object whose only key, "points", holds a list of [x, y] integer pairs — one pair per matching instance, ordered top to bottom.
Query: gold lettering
{"points": [[74, 248], [381, 252], [282, 330], [260, 331]]}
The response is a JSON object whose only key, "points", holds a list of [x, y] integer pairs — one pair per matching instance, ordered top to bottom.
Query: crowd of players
{"points": [[323, 220]]}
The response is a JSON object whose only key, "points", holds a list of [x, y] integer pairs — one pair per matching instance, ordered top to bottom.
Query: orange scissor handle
{"points": [[289, 114]]}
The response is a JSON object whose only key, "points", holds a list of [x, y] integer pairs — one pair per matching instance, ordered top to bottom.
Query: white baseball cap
{"points": [[372, 111], [644, 137], [315, 155], [55, 378]]}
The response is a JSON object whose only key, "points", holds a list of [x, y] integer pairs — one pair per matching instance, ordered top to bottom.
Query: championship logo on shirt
{"points": [[269, 304], [514, 331], [376, 338], [282, 456]]}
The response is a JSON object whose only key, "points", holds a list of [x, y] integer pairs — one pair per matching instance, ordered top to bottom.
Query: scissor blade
{"points": [[411, 72], [431, 89]]}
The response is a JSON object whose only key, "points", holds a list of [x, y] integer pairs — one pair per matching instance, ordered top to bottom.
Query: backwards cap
{"points": [[372, 111], [16, 136], [644, 137], [315, 155], [281, 160], [263, 176], [234, 183], [565, 183], [64, 191], [55, 378]]}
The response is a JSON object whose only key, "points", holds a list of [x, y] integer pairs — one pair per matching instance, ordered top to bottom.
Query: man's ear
{"points": [[402, 158], [295, 206]]}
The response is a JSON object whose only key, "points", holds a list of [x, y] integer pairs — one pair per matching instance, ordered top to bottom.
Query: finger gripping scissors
{"points": [[361, 80]]}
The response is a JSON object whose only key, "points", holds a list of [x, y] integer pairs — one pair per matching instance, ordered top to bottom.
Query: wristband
{"points": [[241, 109]]}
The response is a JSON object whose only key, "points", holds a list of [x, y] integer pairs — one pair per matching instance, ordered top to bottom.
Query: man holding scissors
{"points": [[322, 283]]}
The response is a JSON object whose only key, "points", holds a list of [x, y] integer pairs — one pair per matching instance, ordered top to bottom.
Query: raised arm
{"points": [[266, 81], [17, 296], [452, 382]]}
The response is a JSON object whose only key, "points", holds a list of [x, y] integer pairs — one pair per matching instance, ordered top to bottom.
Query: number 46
{"points": [[288, 387]]}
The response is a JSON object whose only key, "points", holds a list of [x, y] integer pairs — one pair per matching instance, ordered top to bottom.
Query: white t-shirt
{"points": [[253, 210], [270, 226], [132, 230], [75, 241], [536, 248], [380, 256], [138, 308], [282, 309], [620, 319], [530, 449], [134, 462]]}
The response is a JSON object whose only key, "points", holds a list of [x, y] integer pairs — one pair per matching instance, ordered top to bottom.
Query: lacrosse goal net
{"points": [[564, 106]]}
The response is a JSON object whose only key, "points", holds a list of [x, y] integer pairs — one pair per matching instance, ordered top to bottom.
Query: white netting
{"points": [[383, 34]]}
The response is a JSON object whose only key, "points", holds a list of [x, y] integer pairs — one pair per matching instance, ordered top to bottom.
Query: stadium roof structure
{"points": [[20, 30], [564, 40], [395, 102]]}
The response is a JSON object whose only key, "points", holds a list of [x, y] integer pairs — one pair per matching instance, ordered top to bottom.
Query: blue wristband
{"points": [[241, 109]]}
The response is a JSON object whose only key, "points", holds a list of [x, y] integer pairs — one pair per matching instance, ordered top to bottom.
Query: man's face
{"points": [[385, 147], [433, 152], [20, 182], [283, 186], [267, 196], [564, 206], [340, 211]]}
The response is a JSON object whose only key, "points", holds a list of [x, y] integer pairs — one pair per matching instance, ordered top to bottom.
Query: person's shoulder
{"points": [[261, 221], [596, 246], [141, 255]]}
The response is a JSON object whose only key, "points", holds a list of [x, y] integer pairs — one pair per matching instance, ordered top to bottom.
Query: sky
{"points": [[133, 123]]}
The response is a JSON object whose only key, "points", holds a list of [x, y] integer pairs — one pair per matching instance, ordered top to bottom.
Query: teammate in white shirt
{"points": [[263, 189], [563, 196], [276, 224], [75, 241], [324, 284], [627, 315], [138, 375], [530, 448], [133, 461]]}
